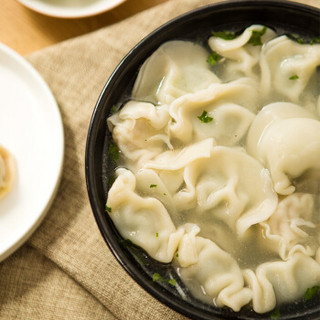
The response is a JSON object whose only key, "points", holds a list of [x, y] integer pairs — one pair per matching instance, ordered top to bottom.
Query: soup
{"points": [[220, 174]]}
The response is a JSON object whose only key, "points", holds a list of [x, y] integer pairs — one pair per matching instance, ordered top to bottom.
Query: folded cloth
{"points": [[65, 270]]}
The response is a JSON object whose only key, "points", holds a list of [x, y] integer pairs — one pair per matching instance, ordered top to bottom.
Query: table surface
{"points": [[27, 31]]}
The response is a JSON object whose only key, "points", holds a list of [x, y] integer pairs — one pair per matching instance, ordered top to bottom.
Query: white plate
{"points": [[71, 8], [31, 129]]}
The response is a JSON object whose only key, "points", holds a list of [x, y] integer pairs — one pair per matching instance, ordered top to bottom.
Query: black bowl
{"points": [[283, 17]]}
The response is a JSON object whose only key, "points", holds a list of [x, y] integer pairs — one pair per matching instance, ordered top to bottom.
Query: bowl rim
{"points": [[90, 167]]}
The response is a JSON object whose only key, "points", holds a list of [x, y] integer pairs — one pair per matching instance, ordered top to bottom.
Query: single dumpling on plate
{"points": [[7, 171]]}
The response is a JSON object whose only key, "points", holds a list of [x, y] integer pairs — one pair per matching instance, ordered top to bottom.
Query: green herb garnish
{"points": [[226, 35], [255, 38], [297, 38], [315, 40], [214, 58], [294, 77], [113, 110], [204, 117], [114, 152], [153, 185], [108, 209], [157, 234], [158, 277], [172, 282], [311, 292], [275, 314]]}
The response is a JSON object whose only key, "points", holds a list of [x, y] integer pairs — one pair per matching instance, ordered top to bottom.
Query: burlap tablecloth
{"points": [[65, 270]]}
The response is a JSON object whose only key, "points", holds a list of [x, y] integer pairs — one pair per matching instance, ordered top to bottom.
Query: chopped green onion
{"points": [[226, 35], [255, 38], [297, 38], [315, 40], [214, 58], [294, 77], [113, 110], [204, 117], [114, 152], [153, 185], [108, 209], [157, 234], [158, 277], [172, 282], [311, 292], [275, 315]]}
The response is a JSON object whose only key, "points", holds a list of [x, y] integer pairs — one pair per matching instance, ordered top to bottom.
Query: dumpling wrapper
{"points": [[241, 57], [282, 59], [173, 70], [240, 95], [268, 114], [140, 132], [289, 148], [7, 171], [226, 183], [143, 220], [288, 229], [204, 264], [281, 281]]}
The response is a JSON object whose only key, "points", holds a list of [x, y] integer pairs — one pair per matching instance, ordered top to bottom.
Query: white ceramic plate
{"points": [[71, 8], [31, 129]]}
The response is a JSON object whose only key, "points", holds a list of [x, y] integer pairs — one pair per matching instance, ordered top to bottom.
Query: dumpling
{"points": [[242, 57], [287, 66], [173, 70], [218, 100], [268, 114], [229, 125], [140, 132], [285, 138], [289, 148], [173, 169], [7, 171], [229, 185], [143, 220], [289, 228], [204, 264], [281, 281]]}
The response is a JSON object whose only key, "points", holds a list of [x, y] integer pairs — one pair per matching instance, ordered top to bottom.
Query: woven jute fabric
{"points": [[65, 270]]}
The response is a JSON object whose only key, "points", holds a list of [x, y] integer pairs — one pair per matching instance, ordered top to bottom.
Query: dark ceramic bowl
{"points": [[282, 16]]}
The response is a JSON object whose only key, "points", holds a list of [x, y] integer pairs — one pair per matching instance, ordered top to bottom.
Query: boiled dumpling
{"points": [[242, 57], [287, 66], [173, 70], [241, 96], [268, 114], [139, 131], [289, 148], [173, 169], [7, 171], [226, 184], [143, 220], [289, 228], [204, 264], [281, 281]]}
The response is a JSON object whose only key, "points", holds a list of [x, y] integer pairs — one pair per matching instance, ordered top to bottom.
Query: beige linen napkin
{"points": [[66, 271]]}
